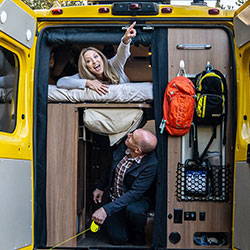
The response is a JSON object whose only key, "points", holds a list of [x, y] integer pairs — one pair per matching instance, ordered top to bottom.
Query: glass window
{"points": [[9, 70]]}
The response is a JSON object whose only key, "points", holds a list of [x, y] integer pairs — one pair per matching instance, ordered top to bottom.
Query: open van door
{"points": [[17, 46], [241, 239]]}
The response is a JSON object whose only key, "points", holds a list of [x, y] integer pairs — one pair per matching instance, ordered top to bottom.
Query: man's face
{"points": [[132, 140]]}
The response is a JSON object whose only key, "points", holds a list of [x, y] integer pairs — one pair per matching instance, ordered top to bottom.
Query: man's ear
{"points": [[138, 151]]}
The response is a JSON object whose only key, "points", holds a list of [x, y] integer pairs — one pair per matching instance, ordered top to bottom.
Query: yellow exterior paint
{"points": [[91, 11], [242, 55], [243, 93], [19, 144], [27, 248]]}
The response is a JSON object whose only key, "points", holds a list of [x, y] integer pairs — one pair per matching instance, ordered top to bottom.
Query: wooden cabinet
{"points": [[62, 151], [66, 171]]}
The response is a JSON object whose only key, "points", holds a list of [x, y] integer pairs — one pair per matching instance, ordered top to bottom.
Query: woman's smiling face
{"points": [[94, 63]]}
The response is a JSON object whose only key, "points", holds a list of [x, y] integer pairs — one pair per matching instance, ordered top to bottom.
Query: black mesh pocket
{"points": [[203, 183]]}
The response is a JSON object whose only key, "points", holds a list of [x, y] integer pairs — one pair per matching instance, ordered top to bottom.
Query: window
{"points": [[9, 70]]}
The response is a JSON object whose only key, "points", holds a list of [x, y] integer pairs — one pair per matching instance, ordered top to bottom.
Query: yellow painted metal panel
{"points": [[91, 11], [243, 91], [243, 97], [243, 112], [19, 144], [27, 248]]}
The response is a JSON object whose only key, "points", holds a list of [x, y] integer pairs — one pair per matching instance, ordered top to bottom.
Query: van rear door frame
{"points": [[160, 238]]}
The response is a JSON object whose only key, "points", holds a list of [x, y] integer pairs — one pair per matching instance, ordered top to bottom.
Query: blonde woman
{"points": [[96, 71]]}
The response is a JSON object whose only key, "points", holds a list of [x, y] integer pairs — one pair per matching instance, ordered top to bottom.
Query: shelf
{"points": [[106, 105]]}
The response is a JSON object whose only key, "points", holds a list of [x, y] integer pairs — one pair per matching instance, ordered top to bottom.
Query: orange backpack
{"points": [[178, 106]]}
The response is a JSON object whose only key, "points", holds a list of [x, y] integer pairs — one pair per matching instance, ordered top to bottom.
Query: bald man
{"points": [[132, 175]]}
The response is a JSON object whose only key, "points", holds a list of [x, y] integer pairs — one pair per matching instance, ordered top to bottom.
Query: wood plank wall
{"points": [[62, 139], [218, 214]]}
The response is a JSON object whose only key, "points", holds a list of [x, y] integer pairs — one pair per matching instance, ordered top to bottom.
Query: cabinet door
{"points": [[17, 32], [62, 151]]}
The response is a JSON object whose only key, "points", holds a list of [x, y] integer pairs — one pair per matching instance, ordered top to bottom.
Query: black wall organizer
{"points": [[203, 183]]}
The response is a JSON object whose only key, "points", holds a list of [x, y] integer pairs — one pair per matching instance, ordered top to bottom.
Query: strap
{"points": [[226, 103], [225, 117], [195, 141], [209, 144]]}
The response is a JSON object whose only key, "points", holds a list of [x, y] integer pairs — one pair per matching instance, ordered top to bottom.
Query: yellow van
{"points": [[50, 158]]}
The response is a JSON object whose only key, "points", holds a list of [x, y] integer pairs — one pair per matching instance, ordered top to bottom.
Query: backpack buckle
{"points": [[162, 126]]}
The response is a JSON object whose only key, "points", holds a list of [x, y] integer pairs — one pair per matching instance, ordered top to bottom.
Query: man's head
{"points": [[141, 142]]}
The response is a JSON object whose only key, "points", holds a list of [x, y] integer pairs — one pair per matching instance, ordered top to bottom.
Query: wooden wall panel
{"points": [[137, 67], [62, 138], [218, 214]]}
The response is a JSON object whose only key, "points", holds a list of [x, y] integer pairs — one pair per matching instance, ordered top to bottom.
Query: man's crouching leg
{"points": [[137, 218], [116, 227]]}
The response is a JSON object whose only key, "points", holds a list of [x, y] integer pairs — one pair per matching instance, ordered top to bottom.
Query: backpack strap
{"points": [[195, 142], [209, 144]]}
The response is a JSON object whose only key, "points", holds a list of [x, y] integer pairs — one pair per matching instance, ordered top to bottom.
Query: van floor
{"points": [[99, 239], [94, 240]]}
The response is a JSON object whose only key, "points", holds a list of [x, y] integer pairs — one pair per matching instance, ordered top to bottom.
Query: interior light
{"points": [[134, 6], [103, 10], [166, 10], [56, 11], [214, 11]]}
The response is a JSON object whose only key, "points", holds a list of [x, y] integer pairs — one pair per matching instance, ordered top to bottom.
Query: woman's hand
{"points": [[130, 33], [97, 86], [97, 196]]}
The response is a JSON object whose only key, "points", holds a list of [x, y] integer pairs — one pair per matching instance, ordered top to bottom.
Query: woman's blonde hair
{"points": [[109, 72]]}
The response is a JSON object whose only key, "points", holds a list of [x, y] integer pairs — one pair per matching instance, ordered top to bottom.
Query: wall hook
{"points": [[182, 71]]}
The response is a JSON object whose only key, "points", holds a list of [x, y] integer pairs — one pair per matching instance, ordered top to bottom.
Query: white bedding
{"points": [[126, 92]]}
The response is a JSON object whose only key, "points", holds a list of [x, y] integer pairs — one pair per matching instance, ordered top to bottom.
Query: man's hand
{"points": [[130, 33], [97, 86], [97, 195], [99, 216]]}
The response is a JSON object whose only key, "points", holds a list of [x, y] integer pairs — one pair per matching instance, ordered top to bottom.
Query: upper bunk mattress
{"points": [[125, 92]]}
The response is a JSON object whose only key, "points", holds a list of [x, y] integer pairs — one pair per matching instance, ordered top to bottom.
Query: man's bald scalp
{"points": [[147, 140]]}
